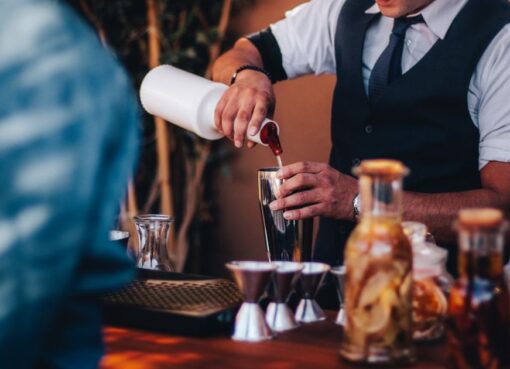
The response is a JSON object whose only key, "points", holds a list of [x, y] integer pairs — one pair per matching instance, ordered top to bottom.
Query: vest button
{"points": [[369, 128], [355, 162]]}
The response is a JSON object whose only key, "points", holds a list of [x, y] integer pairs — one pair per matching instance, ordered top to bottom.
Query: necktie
{"points": [[389, 65]]}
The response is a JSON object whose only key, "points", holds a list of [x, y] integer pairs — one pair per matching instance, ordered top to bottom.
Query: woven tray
{"points": [[192, 298]]}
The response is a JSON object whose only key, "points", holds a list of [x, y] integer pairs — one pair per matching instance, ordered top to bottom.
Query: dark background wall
{"points": [[303, 112]]}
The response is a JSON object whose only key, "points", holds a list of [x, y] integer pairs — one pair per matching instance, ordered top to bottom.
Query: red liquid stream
{"points": [[269, 136]]}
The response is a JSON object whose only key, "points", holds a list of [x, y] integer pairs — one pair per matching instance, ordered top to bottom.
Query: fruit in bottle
{"points": [[378, 260], [479, 310]]}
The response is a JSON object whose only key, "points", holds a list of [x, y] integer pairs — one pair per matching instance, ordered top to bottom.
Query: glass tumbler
{"points": [[152, 253]]}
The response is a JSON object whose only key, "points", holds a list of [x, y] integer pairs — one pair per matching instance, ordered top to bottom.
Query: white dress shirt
{"points": [[306, 37]]}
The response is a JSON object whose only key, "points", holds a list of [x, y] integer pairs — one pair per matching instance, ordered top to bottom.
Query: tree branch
{"points": [[95, 22], [214, 50], [163, 149], [194, 179]]}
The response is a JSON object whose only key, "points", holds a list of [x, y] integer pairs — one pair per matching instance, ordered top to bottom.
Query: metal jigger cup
{"points": [[339, 273], [312, 275], [252, 278], [279, 316]]}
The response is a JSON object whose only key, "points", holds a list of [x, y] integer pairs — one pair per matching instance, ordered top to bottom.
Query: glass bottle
{"points": [[378, 283], [431, 284], [478, 314]]}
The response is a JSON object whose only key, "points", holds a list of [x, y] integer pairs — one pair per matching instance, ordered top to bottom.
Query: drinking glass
{"points": [[152, 253]]}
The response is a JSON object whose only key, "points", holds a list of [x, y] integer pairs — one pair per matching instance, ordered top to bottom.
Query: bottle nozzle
{"points": [[269, 136]]}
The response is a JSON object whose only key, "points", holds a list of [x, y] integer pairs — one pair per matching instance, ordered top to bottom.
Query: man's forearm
{"points": [[243, 53], [438, 211]]}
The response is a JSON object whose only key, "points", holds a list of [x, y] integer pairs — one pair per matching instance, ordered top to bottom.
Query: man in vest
{"points": [[426, 82]]}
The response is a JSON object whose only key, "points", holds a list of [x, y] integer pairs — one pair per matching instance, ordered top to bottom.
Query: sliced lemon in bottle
{"points": [[405, 287], [372, 289], [377, 298], [372, 318]]}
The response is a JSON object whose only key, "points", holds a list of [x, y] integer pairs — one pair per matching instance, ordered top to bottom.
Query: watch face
{"points": [[356, 204]]}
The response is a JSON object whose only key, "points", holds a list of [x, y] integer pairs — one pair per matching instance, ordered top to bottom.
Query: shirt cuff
{"points": [[495, 150]]}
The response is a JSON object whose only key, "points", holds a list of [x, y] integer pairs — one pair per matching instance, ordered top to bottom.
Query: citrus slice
{"points": [[374, 285], [405, 287], [377, 297], [429, 301], [441, 302], [372, 318]]}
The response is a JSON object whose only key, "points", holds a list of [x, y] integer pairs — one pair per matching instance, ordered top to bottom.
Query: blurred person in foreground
{"points": [[422, 81], [68, 128]]}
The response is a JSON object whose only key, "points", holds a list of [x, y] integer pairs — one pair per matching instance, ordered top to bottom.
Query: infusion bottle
{"points": [[378, 260], [479, 311]]}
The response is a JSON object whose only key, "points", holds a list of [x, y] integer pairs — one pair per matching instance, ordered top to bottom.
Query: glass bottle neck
{"points": [[381, 197], [481, 253]]}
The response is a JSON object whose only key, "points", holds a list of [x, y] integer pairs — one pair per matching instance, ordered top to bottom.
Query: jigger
{"points": [[339, 273], [312, 275], [252, 278], [278, 314]]}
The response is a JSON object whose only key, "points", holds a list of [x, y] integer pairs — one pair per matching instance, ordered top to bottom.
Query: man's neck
{"points": [[419, 8]]}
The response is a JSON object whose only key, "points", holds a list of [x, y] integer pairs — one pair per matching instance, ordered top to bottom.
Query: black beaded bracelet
{"points": [[250, 67]]}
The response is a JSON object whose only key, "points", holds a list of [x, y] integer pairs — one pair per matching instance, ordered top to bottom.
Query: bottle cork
{"points": [[381, 168], [481, 218]]}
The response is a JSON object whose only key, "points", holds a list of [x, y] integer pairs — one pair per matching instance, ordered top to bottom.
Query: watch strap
{"points": [[250, 67]]}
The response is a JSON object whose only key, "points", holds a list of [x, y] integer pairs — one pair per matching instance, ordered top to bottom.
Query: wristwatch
{"points": [[356, 207]]}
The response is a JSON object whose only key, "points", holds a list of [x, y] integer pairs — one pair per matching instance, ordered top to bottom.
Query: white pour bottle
{"points": [[188, 101]]}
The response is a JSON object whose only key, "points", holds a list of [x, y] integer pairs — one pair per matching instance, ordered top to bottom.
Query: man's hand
{"points": [[249, 100], [244, 106], [312, 189]]}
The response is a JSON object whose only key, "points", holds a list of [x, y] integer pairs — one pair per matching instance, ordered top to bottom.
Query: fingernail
{"points": [[252, 131], [238, 144], [279, 174], [272, 206], [288, 214]]}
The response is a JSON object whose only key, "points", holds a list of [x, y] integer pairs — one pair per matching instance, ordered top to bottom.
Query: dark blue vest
{"points": [[421, 119]]}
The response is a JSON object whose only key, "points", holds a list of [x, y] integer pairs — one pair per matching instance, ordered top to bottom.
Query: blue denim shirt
{"points": [[68, 137]]}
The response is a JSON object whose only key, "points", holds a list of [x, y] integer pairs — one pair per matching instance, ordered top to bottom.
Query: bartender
{"points": [[426, 82]]}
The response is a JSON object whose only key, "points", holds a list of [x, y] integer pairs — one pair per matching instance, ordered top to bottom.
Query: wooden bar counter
{"points": [[311, 346]]}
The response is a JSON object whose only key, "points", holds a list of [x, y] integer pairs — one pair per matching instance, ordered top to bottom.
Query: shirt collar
{"points": [[438, 15]]}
